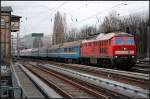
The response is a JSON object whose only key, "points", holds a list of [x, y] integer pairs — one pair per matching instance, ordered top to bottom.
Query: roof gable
{"points": [[6, 9]]}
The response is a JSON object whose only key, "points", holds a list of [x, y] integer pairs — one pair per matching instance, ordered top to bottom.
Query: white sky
{"points": [[40, 13]]}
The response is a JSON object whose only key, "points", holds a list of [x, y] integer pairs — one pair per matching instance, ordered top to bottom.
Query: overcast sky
{"points": [[38, 16]]}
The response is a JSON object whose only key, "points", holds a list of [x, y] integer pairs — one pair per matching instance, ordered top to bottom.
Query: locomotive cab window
{"points": [[2, 22], [118, 40], [129, 41]]}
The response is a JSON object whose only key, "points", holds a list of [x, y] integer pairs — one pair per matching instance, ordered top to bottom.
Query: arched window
{"points": [[2, 21]]}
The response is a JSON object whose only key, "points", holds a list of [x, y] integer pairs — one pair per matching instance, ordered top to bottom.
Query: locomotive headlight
{"points": [[116, 56]]}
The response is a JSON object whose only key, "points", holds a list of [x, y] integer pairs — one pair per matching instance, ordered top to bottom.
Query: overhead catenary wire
{"points": [[52, 10], [134, 11], [100, 12]]}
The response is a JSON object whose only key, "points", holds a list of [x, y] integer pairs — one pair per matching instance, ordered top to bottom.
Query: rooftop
{"points": [[6, 9], [15, 16]]}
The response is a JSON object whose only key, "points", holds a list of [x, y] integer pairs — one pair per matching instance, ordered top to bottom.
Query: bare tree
{"points": [[110, 23], [135, 24], [59, 28], [87, 31], [71, 35]]}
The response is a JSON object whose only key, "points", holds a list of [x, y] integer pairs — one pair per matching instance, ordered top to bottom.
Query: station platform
{"points": [[28, 88]]}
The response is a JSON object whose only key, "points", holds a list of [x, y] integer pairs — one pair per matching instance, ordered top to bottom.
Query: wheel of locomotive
{"points": [[88, 61], [101, 62], [109, 64], [112, 64]]}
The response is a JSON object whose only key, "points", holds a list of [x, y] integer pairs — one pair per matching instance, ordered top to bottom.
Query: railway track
{"points": [[142, 68], [136, 79], [63, 85], [102, 91], [118, 92]]}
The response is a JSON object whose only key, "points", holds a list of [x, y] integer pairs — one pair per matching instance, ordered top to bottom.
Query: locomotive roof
{"points": [[108, 36]]}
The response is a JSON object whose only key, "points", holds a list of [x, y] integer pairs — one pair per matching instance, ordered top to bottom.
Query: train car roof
{"points": [[108, 36], [74, 43], [67, 44], [54, 46], [41, 48], [34, 49], [24, 50]]}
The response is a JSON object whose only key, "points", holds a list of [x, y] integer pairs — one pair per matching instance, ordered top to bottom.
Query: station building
{"points": [[9, 24]]}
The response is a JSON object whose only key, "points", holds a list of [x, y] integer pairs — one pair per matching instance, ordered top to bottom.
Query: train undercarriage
{"points": [[119, 62]]}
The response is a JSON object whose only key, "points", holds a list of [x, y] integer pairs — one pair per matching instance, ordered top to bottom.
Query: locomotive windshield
{"points": [[118, 40], [122, 40], [129, 41]]}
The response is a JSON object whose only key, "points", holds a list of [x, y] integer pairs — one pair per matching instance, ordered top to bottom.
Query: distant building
{"points": [[15, 23], [15, 26], [6, 28], [5, 33], [33, 40], [47, 41], [13, 44], [5, 48]]}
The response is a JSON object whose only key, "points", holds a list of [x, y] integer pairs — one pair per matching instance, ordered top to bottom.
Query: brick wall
{"points": [[5, 37]]}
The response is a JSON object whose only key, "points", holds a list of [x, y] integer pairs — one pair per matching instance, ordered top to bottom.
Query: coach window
{"points": [[2, 22], [65, 49], [69, 49], [72, 49]]}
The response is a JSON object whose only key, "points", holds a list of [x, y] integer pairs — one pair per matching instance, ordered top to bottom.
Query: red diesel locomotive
{"points": [[114, 50]]}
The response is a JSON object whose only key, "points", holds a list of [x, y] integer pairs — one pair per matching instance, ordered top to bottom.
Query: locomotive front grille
{"points": [[125, 52]]}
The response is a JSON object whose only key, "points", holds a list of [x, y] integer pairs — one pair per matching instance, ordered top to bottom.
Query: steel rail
{"points": [[138, 79], [69, 81], [128, 88]]}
